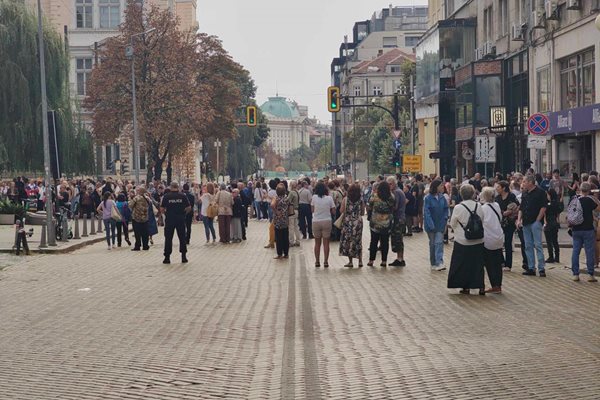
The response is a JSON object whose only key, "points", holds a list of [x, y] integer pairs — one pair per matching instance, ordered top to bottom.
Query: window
{"points": [[83, 12], [110, 16], [503, 18], [488, 24], [411, 41], [390, 42], [394, 69], [83, 71], [577, 78], [543, 89], [357, 90], [488, 90], [377, 91], [142, 156], [109, 157]]}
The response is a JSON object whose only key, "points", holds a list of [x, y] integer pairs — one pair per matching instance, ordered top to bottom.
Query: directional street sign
{"points": [[538, 124], [397, 144], [485, 149]]}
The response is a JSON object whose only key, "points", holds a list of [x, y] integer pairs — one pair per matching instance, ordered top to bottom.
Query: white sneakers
{"points": [[439, 267], [575, 278]]}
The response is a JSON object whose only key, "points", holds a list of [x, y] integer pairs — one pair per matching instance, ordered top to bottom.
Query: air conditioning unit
{"points": [[574, 5], [551, 9], [537, 19], [518, 33], [488, 49], [478, 53]]}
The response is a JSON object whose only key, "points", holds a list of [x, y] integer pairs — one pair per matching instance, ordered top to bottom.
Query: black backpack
{"points": [[474, 228]]}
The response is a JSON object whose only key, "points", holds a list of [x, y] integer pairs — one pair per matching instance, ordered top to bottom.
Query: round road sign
{"points": [[538, 124], [467, 153]]}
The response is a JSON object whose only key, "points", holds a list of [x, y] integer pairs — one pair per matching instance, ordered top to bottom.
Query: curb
{"points": [[68, 249]]}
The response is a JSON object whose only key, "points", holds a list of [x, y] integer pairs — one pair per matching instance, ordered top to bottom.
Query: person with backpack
{"points": [[531, 217], [435, 218], [581, 219], [493, 239], [466, 265]]}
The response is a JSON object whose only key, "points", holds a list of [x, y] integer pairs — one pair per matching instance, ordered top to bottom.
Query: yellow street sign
{"points": [[412, 163]]}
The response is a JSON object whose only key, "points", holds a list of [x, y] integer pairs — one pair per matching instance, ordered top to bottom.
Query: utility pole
{"points": [[46, 140]]}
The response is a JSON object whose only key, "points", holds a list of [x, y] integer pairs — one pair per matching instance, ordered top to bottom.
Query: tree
{"points": [[185, 86], [20, 96], [299, 159]]}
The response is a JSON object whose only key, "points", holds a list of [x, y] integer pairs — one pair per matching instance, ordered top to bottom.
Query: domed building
{"points": [[289, 124]]}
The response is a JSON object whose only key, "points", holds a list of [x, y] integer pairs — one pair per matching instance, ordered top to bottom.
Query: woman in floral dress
{"points": [[280, 206], [353, 209]]}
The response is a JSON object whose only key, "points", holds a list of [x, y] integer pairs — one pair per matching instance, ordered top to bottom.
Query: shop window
{"points": [[577, 77], [543, 89], [488, 93], [574, 154]]}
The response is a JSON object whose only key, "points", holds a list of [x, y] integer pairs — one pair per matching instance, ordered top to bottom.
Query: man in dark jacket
{"points": [[189, 216]]}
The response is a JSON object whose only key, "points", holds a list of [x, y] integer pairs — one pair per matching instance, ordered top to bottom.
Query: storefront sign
{"points": [[580, 119], [536, 142], [412, 163]]}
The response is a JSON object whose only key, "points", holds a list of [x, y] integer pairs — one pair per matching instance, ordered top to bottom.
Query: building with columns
{"points": [[288, 123]]}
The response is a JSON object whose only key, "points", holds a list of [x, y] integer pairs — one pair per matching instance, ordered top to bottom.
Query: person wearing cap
{"points": [[175, 206]]}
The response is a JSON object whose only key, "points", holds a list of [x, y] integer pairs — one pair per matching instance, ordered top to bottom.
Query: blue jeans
{"points": [[257, 209], [110, 227], [209, 227], [587, 240], [533, 241], [436, 248]]}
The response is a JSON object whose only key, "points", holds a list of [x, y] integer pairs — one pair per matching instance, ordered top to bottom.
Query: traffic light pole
{"points": [[394, 112]]}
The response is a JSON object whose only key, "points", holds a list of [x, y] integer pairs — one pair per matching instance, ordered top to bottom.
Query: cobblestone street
{"points": [[236, 324]]}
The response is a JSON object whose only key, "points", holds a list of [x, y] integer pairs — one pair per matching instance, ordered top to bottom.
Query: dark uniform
{"points": [[175, 204], [189, 216]]}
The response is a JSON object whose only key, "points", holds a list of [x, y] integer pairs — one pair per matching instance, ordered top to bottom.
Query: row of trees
{"points": [[188, 89], [20, 96]]}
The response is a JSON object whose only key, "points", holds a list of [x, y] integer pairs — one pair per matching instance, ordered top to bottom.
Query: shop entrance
{"points": [[574, 154]]}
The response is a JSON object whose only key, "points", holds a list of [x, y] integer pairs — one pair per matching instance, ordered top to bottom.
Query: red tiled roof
{"points": [[392, 57]]}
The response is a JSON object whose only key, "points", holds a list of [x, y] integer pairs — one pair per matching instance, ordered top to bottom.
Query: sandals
{"points": [[317, 264], [325, 265]]}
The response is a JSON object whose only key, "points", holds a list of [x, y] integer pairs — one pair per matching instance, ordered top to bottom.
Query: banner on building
{"points": [[581, 119]]}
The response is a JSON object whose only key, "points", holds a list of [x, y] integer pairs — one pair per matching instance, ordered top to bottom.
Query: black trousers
{"points": [[305, 219], [244, 220], [188, 226], [122, 228], [170, 228], [140, 230], [379, 240], [522, 240], [282, 241], [552, 243], [493, 265]]}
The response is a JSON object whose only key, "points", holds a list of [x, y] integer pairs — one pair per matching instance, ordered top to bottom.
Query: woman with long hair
{"points": [[573, 188], [382, 205], [323, 208], [353, 209], [435, 219], [109, 223], [209, 223], [123, 224]]}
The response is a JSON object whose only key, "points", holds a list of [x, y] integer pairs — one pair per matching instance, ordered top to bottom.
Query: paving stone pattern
{"points": [[236, 324]]}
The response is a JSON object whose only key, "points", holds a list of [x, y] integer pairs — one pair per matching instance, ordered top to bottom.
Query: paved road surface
{"points": [[236, 324]]}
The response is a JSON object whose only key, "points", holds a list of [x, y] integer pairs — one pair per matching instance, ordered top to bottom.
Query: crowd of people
{"points": [[481, 217]]}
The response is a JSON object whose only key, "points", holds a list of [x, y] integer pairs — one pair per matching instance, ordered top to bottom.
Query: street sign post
{"points": [[538, 124], [537, 142], [485, 149], [412, 163]]}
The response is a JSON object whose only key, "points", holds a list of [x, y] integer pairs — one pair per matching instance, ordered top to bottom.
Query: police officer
{"points": [[175, 205], [190, 215]]}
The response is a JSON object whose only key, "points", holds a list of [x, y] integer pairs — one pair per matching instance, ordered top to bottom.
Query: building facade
{"points": [[289, 125]]}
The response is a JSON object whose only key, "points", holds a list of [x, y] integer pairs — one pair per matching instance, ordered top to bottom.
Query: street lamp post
{"points": [[129, 52], [218, 146]]}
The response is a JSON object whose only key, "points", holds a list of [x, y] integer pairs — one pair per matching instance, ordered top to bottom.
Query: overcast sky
{"points": [[288, 45]]}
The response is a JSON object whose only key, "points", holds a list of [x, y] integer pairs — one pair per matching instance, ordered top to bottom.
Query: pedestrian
{"points": [[557, 184], [573, 188], [418, 189], [258, 194], [337, 197], [207, 199], [246, 199], [294, 200], [224, 202], [382, 205], [175, 206], [509, 206], [281, 207], [322, 207], [106, 208], [353, 208], [410, 209], [304, 210], [153, 212], [435, 216], [189, 217], [236, 217], [531, 217], [139, 219], [399, 223], [123, 224], [551, 227], [584, 234], [493, 239], [466, 264]]}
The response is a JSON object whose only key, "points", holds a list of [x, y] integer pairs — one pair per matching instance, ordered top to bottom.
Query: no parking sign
{"points": [[538, 124]]}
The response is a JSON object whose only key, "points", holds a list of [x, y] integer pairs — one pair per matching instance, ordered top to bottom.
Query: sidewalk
{"points": [[7, 239]]}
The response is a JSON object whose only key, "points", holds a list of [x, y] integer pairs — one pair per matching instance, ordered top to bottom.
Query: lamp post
{"points": [[129, 53], [218, 146]]}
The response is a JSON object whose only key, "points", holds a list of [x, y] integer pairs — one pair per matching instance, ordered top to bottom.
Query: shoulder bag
{"points": [[115, 214], [340, 221]]}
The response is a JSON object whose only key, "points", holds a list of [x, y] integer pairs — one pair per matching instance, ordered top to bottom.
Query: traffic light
{"points": [[333, 99], [251, 116], [396, 159]]}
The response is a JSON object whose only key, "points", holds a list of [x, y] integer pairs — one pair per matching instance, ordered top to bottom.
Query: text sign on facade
{"points": [[538, 124], [536, 142], [485, 149], [412, 163]]}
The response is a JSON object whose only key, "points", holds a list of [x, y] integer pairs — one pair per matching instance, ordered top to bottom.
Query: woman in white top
{"points": [[206, 199], [323, 208], [493, 239], [466, 266]]}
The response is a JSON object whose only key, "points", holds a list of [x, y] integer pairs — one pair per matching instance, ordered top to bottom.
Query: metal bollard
{"points": [[100, 222], [85, 224], [92, 226], [65, 229], [76, 232], [16, 236], [43, 244]]}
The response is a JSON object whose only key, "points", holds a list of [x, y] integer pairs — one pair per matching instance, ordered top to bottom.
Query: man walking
{"points": [[246, 198], [175, 206], [304, 210], [190, 215], [531, 217], [293, 219], [399, 223], [584, 234]]}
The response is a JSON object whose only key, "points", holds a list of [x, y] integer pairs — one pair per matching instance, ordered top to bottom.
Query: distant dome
{"points": [[281, 108]]}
